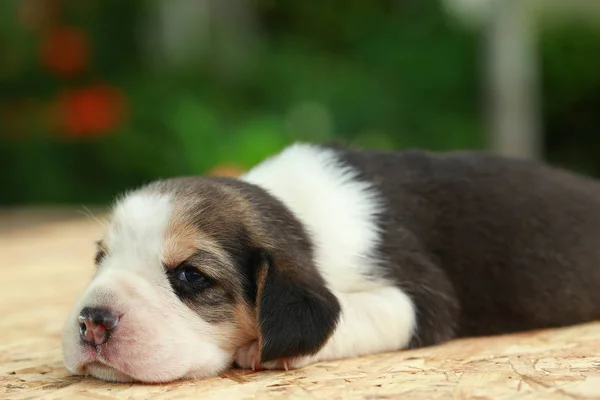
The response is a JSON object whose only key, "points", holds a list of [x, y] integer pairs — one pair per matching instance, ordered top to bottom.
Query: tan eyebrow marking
{"points": [[180, 243], [177, 251], [204, 256], [200, 257]]}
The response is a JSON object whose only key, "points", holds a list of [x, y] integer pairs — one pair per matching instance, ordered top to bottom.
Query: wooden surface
{"points": [[45, 261]]}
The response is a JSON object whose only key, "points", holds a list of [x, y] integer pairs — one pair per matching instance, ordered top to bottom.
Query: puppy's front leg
{"points": [[374, 321]]}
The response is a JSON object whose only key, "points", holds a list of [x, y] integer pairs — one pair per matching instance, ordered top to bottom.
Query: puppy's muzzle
{"points": [[96, 324]]}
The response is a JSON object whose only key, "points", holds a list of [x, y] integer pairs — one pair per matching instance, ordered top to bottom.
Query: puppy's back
{"points": [[519, 241]]}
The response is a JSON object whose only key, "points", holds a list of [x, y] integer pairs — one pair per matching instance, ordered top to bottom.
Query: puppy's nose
{"points": [[95, 324]]}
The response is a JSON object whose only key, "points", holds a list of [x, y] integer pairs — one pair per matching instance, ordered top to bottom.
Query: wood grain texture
{"points": [[46, 260]]}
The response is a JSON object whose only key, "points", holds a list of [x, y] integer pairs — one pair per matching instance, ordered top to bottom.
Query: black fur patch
{"points": [[485, 244], [248, 271], [295, 318]]}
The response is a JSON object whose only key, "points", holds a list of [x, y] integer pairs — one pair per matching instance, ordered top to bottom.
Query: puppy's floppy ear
{"points": [[296, 312]]}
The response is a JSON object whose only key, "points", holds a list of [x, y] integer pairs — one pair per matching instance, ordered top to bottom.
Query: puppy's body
{"points": [[516, 240], [325, 253]]}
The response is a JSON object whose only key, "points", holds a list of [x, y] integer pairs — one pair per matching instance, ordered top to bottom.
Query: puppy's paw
{"points": [[248, 357], [287, 363]]}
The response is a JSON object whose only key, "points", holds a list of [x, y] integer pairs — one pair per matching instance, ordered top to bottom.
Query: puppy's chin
{"points": [[106, 373]]}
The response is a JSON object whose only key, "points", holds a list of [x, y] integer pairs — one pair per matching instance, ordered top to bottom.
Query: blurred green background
{"points": [[97, 96]]}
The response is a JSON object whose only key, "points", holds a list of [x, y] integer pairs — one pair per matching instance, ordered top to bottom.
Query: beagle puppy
{"points": [[323, 253]]}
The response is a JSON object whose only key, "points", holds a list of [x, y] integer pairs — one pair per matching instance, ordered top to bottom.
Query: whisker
{"points": [[88, 213]]}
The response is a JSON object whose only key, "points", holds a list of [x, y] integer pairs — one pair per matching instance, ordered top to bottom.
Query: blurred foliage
{"points": [[88, 109]]}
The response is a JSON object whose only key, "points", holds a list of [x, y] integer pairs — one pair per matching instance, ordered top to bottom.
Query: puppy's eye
{"points": [[190, 274], [188, 281]]}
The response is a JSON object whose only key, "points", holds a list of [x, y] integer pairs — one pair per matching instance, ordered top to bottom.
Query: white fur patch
{"points": [[337, 210], [339, 213], [137, 232], [373, 321]]}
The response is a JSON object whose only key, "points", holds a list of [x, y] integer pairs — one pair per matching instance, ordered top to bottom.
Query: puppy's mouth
{"points": [[96, 365]]}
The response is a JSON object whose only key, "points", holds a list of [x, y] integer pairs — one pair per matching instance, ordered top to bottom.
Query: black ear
{"points": [[296, 311]]}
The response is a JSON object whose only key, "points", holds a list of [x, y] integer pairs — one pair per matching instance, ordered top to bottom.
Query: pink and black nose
{"points": [[96, 324]]}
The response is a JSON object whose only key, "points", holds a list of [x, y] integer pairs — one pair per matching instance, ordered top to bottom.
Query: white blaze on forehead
{"points": [[138, 228]]}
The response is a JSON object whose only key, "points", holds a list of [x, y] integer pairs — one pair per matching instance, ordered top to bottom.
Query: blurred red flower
{"points": [[65, 50], [91, 111]]}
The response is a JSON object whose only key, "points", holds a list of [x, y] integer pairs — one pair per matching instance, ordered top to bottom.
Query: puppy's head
{"points": [[188, 271]]}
